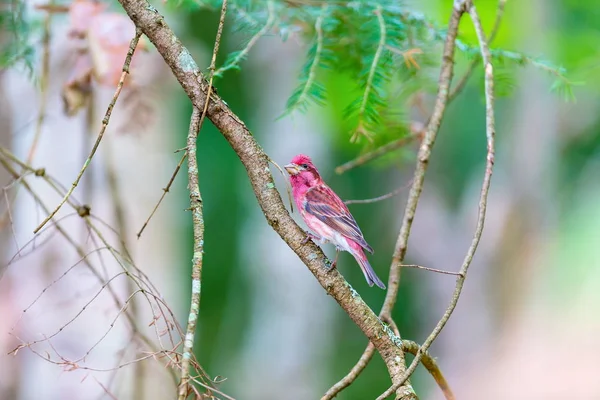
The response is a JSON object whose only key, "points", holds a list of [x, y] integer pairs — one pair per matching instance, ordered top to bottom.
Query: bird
{"points": [[327, 216]]}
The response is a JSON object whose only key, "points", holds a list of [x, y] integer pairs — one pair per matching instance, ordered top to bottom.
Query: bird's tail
{"points": [[370, 275]]}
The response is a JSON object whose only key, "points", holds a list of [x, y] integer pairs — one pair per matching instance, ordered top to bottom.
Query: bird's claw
{"points": [[308, 237], [332, 265]]}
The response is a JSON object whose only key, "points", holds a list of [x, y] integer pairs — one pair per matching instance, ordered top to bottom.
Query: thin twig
{"points": [[52, 8], [462, 82], [105, 120], [490, 133], [378, 152], [423, 159], [41, 172], [287, 185], [165, 191], [379, 198], [197, 218], [439, 271], [74, 317], [408, 346], [431, 366], [351, 376], [211, 388], [105, 389]]}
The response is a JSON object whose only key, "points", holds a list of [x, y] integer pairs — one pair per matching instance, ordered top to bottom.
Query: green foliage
{"points": [[19, 31], [388, 51], [503, 60], [504, 82], [309, 89]]}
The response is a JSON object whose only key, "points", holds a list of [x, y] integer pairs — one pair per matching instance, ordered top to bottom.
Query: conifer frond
{"points": [[244, 17], [21, 31], [388, 51], [237, 57], [505, 58], [504, 82], [564, 88], [309, 89], [369, 89]]}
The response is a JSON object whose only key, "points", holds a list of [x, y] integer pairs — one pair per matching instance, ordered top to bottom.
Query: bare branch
{"points": [[462, 82], [105, 120], [490, 133], [378, 152], [423, 158], [4, 160], [165, 191], [379, 198], [197, 218], [198, 227], [439, 271], [431, 366], [351, 376]]}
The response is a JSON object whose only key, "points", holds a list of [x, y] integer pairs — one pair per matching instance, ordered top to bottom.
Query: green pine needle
{"points": [[309, 89]]}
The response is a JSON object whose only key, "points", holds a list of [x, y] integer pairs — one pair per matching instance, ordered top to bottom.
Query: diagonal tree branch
{"points": [[256, 162], [431, 366], [351, 376]]}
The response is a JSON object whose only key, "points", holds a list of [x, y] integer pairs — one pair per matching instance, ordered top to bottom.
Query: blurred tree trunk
{"points": [[10, 377]]}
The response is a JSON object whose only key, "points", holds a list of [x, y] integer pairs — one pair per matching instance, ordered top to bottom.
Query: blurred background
{"points": [[526, 326]]}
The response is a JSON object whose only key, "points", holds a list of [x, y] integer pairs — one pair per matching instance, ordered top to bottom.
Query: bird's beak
{"points": [[292, 169]]}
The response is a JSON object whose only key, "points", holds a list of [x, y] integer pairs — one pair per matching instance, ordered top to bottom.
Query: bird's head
{"points": [[303, 171]]}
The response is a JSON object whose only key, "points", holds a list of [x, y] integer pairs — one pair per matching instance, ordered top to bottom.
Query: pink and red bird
{"points": [[327, 215]]}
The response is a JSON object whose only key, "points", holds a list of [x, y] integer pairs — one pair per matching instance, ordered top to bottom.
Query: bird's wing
{"points": [[323, 203]]}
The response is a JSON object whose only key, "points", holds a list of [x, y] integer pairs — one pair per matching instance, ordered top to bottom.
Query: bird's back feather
{"points": [[322, 202]]}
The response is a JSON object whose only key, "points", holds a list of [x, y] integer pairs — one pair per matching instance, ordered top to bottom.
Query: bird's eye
{"points": [[304, 166]]}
